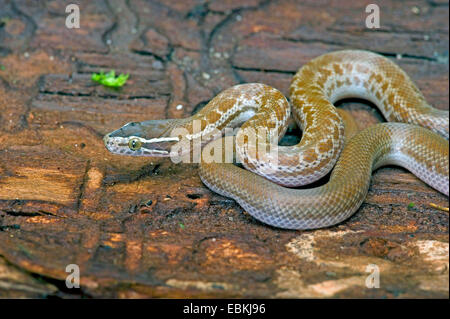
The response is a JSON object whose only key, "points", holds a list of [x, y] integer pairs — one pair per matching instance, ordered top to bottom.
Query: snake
{"points": [[253, 117]]}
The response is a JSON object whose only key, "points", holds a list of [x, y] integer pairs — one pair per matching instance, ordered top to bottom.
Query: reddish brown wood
{"points": [[149, 228]]}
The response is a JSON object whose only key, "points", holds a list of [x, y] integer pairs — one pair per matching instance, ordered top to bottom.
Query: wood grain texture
{"points": [[142, 228]]}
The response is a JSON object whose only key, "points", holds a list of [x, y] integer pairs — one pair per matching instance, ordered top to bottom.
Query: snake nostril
{"points": [[106, 140]]}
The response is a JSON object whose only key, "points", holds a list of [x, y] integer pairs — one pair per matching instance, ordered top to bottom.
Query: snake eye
{"points": [[134, 144]]}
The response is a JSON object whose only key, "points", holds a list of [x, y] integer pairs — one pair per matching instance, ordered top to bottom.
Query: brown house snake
{"points": [[419, 144]]}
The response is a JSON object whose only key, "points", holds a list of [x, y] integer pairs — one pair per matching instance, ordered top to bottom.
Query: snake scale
{"points": [[261, 113]]}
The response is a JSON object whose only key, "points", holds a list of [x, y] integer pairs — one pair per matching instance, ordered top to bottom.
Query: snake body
{"points": [[262, 114]]}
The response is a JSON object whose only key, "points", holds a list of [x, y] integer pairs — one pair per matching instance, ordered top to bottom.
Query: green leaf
{"points": [[2, 67], [97, 77], [109, 79], [411, 205], [181, 226]]}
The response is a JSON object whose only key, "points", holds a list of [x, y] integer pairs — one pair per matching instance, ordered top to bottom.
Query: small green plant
{"points": [[109, 79], [411, 205]]}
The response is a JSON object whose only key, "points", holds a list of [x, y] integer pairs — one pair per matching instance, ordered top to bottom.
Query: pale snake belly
{"points": [[262, 114]]}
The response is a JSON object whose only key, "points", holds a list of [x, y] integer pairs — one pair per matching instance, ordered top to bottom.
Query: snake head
{"points": [[149, 138]]}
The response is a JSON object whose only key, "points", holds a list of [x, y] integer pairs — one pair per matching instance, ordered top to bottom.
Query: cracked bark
{"points": [[148, 227]]}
